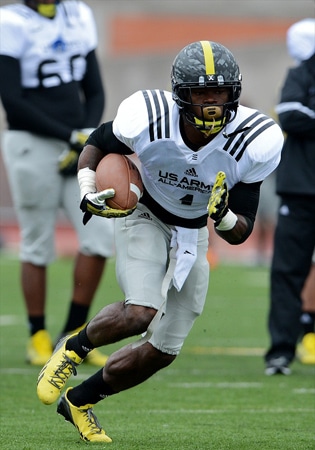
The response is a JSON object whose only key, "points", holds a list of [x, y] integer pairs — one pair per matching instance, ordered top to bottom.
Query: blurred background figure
{"points": [[53, 96], [294, 238]]}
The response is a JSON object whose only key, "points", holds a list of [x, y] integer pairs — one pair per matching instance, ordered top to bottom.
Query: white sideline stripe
{"points": [[136, 190], [6, 320], [239, 351], [17, 371], [199, 385], [223, 385], [304, 391], [222, 411], [231, 411]]}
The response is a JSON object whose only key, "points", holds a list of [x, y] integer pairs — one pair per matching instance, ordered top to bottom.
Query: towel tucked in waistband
{"points": [[185, 239]]}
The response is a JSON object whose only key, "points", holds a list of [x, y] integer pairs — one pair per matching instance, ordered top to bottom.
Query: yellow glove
{"points": [[78, 138], [68, 160], [218, 202], [95, 203]]}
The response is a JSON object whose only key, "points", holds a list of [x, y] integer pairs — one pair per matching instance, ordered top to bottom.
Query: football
{"points": [[120, 173]]}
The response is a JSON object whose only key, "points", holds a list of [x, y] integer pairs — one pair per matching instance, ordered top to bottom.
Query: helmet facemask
{"points": [[200, 65], [212, 118]]}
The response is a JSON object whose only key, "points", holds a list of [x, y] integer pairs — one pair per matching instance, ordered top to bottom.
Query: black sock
{"points": [[76, 317], [307, 321], [36, 323], [80, 343], [90, 391]]}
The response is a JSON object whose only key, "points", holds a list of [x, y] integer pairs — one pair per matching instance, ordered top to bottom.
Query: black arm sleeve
{"points": [[92, 87], [104, 139], [243, 200]]}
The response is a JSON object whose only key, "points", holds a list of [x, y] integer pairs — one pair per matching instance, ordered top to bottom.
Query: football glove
{"points": [[68, 160], [218, 202], [95, 203]]}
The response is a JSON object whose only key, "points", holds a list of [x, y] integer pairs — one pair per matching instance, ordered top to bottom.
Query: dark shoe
{"points": [[278, 366]]}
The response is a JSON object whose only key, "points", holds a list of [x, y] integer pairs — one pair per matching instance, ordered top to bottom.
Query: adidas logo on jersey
{"points": [[191, 172], [144, 216]]}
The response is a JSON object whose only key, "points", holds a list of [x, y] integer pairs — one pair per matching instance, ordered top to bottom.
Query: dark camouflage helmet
{"points": [[208, 64]]}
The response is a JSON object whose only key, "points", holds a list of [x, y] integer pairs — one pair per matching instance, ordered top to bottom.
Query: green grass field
{"points": [[214, 396]]}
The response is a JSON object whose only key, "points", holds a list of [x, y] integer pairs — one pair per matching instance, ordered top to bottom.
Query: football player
{"points": [[51, 90], [201, 155]]}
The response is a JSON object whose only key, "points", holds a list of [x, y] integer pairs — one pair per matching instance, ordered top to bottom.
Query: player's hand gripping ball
{"points": [[118, 172], [119, 188]]}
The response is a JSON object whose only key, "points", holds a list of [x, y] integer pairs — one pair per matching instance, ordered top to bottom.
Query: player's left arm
{"points": [[94, 92], [94, 104], [234, 211]]}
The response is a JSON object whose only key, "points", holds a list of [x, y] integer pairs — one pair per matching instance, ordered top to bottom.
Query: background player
{"points": [[52, 93]]}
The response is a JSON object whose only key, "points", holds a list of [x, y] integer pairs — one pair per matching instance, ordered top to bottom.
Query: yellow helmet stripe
{"points": [[209, 61]]}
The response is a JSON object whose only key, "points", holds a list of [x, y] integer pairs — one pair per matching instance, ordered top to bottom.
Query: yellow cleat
{"points": [[39, 348], [306, 349], [54, 375], [84, 419]]}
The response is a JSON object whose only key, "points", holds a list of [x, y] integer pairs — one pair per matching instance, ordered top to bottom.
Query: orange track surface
{"points": [[147, 33]]}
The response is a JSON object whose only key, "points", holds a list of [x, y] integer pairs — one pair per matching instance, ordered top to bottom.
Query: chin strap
{"points": [[48, 10], [213, 121], [212, 127]]}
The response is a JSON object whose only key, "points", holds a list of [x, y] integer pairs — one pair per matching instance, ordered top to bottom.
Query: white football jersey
{"points": [[51, 51], [181, 179]]}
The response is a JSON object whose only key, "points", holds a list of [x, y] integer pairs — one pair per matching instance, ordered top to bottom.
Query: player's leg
{"points": [[29, 161], [37, 248], [142, 252], [132, 365]]}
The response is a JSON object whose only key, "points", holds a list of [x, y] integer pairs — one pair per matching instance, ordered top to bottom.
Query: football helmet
{"points": [[44, 9], [206, 64]]}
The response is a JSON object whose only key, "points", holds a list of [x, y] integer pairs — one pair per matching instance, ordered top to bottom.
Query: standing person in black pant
{"points": [[53, 96], [294, 239]]}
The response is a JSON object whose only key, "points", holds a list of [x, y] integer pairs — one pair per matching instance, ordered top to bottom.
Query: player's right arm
{"points": [[101, 142]]}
